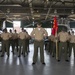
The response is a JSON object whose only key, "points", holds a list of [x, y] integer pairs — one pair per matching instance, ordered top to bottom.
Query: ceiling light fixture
{"points": [[47, 0], [62, 0], [8, 10], [37, 11], [55, 11], [72, 11], [33, 18]]}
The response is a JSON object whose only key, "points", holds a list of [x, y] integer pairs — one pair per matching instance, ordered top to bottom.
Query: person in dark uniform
{"points": [[38, 34]]}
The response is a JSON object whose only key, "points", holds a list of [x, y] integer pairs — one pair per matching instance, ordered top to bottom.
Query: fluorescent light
{"points": [[11, 5], [72, 11], [16, 15]]}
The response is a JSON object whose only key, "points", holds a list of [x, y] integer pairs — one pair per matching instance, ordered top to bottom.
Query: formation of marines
{"points": [[20, 42]]}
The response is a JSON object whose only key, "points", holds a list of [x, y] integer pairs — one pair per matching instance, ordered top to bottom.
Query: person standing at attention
{"points": [[39, 34], [22, 37], [63, 37], [5, 42], [72, 43]]}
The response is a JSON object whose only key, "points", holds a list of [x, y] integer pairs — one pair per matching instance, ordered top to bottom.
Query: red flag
{"points": [[55, 26]]}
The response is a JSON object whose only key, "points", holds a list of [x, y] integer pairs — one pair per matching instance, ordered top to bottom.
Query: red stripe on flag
{"points": [[55, 26]]}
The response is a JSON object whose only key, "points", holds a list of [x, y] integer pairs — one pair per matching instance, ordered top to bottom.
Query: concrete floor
{"points": [[23, 65]]}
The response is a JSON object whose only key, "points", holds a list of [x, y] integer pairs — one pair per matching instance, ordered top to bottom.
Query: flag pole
{"points": [[54, 32], [56, 47]]}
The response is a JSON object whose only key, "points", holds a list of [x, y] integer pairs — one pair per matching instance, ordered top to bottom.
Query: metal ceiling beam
{"points": [[1, 1], [11, 1], [23, 1], [71, 1], [6, 2], [13, 5], [31, 8], [38, 8], [49, 9], [27, 10], [25, 13]]}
